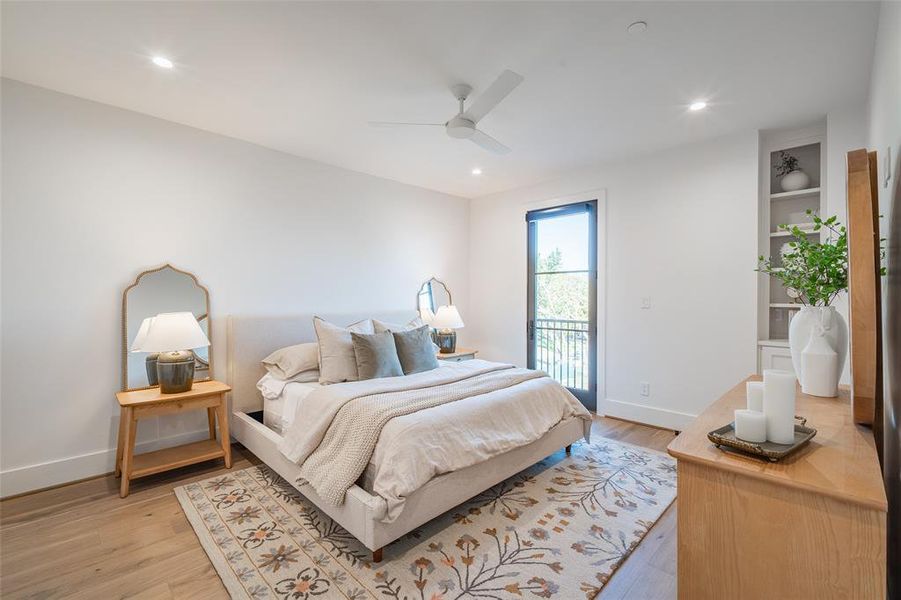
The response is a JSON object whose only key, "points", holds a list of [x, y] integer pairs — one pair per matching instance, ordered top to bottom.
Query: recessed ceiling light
{"points": [[637, 27], [162, 61], [696, 106], [477, 171]]}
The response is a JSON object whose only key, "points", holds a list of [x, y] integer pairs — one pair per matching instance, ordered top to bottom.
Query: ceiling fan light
{"points": [[460, 128]]}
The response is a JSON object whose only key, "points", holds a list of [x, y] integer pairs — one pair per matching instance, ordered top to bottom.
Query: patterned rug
{"points": [[556, 530]]}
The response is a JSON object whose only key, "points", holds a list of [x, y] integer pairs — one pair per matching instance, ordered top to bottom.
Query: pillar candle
{"points": [[755, 395], [779, 405], [750, 425]]}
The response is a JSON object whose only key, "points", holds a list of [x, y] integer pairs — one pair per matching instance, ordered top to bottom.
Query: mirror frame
{"points": [[450, 298], [209, 333]]}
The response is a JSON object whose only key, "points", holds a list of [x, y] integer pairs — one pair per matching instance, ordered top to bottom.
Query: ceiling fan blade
{"points": [[491, 97], [399, 124], [488, 143]]}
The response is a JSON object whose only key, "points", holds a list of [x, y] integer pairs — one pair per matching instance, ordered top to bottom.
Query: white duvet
{"points": [[415, 448]]}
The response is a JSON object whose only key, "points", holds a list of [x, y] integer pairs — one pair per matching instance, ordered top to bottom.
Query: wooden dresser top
{"points": [[839, 462]]}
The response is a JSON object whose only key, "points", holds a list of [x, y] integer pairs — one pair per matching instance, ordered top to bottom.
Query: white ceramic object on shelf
{"points": [[795, 180], [835, 333], [819, 363]]}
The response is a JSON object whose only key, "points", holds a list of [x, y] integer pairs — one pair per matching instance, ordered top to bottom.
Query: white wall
{"points": [[885, 102], [885, 137], [92, 195], [681, 227]]}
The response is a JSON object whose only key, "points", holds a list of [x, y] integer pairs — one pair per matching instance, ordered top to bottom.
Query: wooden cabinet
{"points": [[810, 526]]}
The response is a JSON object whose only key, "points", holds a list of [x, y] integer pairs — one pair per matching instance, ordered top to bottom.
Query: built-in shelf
{"points": [[795, 194], [788, 233], [776, 309], [773, 343]]}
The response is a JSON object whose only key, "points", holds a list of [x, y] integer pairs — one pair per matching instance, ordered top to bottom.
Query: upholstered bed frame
{"points": [[251, 338]]}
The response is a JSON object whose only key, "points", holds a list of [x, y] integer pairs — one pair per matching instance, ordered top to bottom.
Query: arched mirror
{"points": [[161, 290], [432, 295]]}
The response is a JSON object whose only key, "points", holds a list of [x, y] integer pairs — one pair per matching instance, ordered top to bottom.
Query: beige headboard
{"points": [[251, 338]]}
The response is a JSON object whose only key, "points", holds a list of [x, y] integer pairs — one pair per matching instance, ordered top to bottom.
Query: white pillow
{"points": [[414, 323], [382, 327], [337, 361], [290, 362], [271, 387]]}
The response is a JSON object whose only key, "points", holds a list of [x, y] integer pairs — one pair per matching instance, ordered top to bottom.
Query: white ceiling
{"points": [[305, 78]]}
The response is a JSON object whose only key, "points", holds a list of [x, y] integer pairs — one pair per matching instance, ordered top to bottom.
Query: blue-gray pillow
{"points": [[415, 350], [376, 355]]}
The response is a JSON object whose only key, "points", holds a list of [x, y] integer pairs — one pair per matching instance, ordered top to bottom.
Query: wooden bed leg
{"points": [[569, 449], [377, 555]]}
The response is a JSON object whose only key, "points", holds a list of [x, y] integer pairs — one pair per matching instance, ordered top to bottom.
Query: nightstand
{"points": [[459, 356], [138, 404]]}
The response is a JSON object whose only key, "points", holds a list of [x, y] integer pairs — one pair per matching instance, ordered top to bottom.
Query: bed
{"points": [[363, 513]]}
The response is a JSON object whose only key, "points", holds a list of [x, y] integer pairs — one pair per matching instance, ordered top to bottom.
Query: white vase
{"points": [[795, 180], [835, 331], [819, 362]]}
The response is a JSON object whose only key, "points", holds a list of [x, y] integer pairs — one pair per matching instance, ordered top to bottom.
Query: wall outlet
{"points": [[646, 302], [645, 388]]}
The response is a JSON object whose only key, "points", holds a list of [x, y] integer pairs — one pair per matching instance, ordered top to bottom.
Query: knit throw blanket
{"points": [[349, 440]]}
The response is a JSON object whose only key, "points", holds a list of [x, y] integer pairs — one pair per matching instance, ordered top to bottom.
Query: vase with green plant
{"points": [[792, 178], [814, 273]]}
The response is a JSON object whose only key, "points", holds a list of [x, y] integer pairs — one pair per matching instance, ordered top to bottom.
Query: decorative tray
{"points": [[725, 436]]}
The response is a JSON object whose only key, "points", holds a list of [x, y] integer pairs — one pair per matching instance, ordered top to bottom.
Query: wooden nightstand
{"points": [[459, 356], [138, 404]]}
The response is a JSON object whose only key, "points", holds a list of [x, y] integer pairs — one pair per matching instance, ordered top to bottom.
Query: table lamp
{"points": [[445, 321], [173, 336]]}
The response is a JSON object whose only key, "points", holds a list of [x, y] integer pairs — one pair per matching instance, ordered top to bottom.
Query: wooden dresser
{"points": [[810, 526]]}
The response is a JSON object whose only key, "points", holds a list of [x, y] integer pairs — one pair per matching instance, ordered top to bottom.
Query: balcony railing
{"points": [[561, 350]]}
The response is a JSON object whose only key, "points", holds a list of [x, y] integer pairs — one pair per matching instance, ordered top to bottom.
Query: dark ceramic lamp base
{"points": [[447, 341], [150, 365], [175, 371]]}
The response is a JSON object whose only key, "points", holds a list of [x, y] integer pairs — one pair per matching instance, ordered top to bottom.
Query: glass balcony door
{"points": [[562, 296]]}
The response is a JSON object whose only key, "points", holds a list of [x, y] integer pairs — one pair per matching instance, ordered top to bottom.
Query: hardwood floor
{"points": [[83, 541]]}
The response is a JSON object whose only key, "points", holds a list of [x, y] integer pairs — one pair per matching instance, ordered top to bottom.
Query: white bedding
{"points": [[281, 400], [417, 447]]}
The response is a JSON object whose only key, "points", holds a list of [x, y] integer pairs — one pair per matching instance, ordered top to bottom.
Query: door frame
{"points": [[599, 196]]}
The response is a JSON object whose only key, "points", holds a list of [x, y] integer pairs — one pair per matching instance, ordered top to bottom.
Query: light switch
{"points": [[646, 302]]}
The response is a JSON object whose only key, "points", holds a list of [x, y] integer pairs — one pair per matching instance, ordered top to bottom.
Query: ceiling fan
{"points": [[463, 124]]}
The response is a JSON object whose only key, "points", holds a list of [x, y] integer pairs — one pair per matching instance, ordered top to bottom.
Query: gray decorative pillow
{"points": [[336, 350], [415, 350], [376, 355]]}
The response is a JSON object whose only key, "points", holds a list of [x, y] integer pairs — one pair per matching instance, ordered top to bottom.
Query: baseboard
{"points": [[641, 413], [65, 470]]}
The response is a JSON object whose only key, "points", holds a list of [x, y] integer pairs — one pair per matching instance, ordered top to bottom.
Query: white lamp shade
{"points": [[426, 314], [447, 317], [169, 332], [138, 344]]}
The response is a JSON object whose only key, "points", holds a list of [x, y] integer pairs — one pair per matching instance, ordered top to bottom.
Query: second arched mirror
{"points": [[432, 295]]}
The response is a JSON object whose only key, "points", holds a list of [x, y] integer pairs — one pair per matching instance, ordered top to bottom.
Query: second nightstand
{"points": [[460, 355]]}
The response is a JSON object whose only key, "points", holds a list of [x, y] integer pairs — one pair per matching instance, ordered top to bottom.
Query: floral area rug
{"points": [[559, 529]]}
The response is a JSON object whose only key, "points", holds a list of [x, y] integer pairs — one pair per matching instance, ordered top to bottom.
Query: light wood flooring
{"points": [[83, 541]]}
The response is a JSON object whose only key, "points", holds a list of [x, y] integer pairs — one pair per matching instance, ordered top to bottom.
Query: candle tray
{"points": [[725, 436]]}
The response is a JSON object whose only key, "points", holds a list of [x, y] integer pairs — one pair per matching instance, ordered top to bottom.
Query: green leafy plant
{"points": [[787, 164], [816, 271]]}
